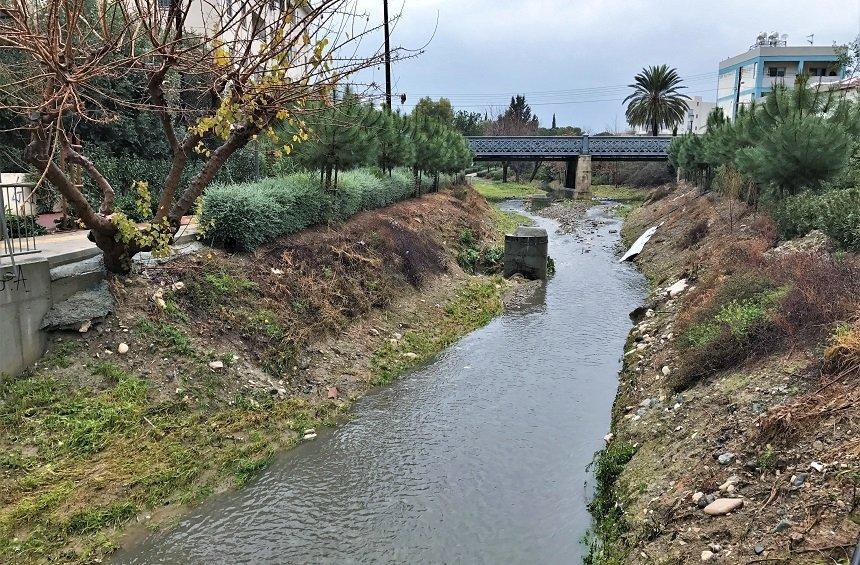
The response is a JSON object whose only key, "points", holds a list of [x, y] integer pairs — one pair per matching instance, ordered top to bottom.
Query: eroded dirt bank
{"points": [[215, 361], [734, 434]]}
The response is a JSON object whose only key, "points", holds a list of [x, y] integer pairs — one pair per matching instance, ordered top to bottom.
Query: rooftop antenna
{"points": [[811, 38]]}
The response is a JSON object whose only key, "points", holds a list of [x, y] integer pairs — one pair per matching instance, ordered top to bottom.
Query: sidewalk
{"points": [[67, 247]]}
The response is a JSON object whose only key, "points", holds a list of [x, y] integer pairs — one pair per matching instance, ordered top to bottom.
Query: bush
{"points": [[834, 212], [244, 216], [22, 226], [794, 298]]}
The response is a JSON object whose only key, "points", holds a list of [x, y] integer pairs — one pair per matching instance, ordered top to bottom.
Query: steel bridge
{"points": [[577, 151]]}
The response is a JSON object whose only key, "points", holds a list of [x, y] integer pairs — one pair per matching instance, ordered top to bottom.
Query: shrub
{"points": [[834, 212], [244, 216], [23, 226], [766, 305]]}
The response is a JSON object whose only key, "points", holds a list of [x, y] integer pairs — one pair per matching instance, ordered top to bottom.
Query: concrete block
{"points": [[526, 252]]}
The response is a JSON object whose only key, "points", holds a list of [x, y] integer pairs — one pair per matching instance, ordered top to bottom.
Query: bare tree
{"points": [[217, 74]]}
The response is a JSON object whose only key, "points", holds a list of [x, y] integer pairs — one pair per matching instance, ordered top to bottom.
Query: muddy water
{"points": [[477, 457]]}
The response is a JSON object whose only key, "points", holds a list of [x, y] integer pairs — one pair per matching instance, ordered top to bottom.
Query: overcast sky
{"points": [[574, 58]]}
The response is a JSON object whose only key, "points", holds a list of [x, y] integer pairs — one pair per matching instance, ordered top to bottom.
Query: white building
{"points": [[771, 61]]}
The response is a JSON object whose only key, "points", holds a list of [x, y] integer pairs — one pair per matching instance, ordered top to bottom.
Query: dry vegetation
{"points": [[760, 359]]}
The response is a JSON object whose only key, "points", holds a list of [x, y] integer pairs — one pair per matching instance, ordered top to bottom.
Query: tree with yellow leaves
{"points": [[217, 76]]}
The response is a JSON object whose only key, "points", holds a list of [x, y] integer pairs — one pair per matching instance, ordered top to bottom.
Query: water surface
{"points": [[478, 457]]}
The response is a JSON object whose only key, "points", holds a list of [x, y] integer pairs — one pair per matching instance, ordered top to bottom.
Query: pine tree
{"points": [[553, 123], [343, 136], [395, 145]]}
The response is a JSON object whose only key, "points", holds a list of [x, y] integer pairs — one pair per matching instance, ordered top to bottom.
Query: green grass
{"points": [[498, 191], [623, 194], [506, 222], [473, 306], [167, 336], [78, 464], [606, 539]]}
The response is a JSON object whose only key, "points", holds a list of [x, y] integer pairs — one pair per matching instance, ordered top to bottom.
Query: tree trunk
{"points": [[654, 129], [417, 181], [436, 182]]}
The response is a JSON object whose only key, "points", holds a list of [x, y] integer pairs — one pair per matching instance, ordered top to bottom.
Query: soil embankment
{"points": [[214, 361], [734, 435]]}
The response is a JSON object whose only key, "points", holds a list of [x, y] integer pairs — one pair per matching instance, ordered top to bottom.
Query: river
{"points": [[479, 456]]}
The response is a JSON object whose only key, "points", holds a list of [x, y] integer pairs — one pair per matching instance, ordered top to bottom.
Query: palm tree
{"points": [[655, 101]]}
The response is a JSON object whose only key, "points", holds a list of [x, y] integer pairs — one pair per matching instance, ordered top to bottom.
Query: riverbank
{"points": [[214, 362], [734, 431]]}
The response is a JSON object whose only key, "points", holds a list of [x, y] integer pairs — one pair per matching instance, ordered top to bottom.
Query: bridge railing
{"points": [[570, 146]]}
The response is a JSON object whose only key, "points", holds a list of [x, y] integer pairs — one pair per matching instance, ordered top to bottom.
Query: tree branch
{"points": [[108, 195]]}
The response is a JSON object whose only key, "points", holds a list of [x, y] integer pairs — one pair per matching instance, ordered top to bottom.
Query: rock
{"points": [[813, 242], [79, 268], [277, 272], [178, 286], [677, 288], [162, 305], [85, 306], [650, 313], [85, 327], [373, 331], [397, 336], [122, 348], [410, 355], [216, 365], [666, 370], [332, 392], [310, 431], [309, 436], [608, 438], [817, 445], [726, 458], [818, 466], [798, 480], [730, 482], [697, 497], [706, 500], [723, 506], [782, 526], [797, 537], [715, 547], [758, 550], [708, 555]]}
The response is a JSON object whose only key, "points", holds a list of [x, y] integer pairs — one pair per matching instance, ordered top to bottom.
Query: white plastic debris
{"points": [[639, 244]]}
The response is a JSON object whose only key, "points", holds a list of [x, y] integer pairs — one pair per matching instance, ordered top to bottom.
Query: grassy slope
{"points": [[497, 191], [91, 439]]}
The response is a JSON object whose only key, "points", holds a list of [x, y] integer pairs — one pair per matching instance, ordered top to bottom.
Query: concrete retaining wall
{"points": [[25, 297]]}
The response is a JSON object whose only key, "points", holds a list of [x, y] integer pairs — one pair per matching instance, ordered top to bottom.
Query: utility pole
{"points": [[387, 57], [738, 92]]}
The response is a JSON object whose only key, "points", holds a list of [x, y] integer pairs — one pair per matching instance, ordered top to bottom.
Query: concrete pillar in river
{"points": [[583, 176], [526, 252]]}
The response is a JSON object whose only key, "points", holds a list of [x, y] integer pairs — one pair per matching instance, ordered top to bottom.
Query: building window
{"points": [[776, 71]]}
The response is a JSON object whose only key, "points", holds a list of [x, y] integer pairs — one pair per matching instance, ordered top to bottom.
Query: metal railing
{"points": [[17, 222]]}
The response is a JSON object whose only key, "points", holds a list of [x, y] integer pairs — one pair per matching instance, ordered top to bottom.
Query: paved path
{"points": [[67, 247]]}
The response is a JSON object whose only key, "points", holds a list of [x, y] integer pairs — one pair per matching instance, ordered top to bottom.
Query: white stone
{"points": [[178, 286], [677, 288], [650, 313], [397, 336], [122, 348], [411, 356], [216, 365], [665, 370], [309, 436], [608, 437], [818, 466], [697, 496], [723, 506], [707, 555]]}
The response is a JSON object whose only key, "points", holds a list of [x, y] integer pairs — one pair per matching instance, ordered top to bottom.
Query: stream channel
{"points": [[479, 456]]}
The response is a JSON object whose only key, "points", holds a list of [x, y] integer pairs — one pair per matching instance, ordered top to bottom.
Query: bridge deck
{"points": [[561, 148]]}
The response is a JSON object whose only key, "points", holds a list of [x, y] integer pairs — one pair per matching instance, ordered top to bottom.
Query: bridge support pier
{"points": [[505, 171], [583, 176]]}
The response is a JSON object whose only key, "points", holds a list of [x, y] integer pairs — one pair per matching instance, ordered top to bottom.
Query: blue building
{"points": [[752, 75]]}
